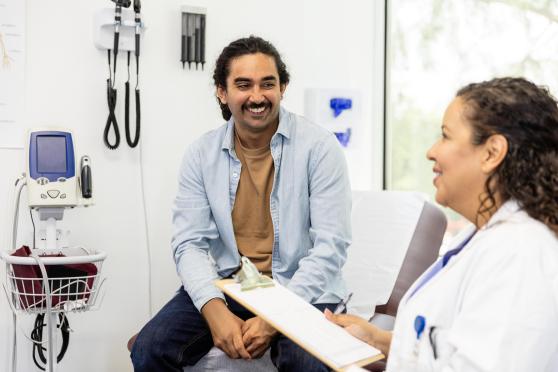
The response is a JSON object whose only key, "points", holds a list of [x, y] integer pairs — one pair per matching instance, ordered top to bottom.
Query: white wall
{"points": [[326, 44]]}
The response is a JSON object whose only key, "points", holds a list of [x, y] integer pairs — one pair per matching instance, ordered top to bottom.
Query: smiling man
{"points": [[268, 185]]}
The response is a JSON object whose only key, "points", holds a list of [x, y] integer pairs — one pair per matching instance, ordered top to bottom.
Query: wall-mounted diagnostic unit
{"points": [[120, 29]]}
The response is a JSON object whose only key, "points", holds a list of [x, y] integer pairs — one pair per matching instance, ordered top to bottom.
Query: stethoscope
{"points": [[111, 91]]}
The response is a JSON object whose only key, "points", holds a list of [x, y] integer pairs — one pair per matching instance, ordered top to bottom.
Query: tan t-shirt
{"points": [[251, 215]]}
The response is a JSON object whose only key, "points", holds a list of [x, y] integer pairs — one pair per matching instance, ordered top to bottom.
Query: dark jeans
{"points": [[178, 336]]}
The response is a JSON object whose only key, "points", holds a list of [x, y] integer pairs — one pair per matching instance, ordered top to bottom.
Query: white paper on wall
{"points": [[12, 71]]}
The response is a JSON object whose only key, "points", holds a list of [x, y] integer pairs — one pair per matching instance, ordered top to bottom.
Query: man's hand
{"points": [[226, 328], [257, 335]]}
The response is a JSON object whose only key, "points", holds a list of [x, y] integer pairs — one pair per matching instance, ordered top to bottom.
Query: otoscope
{"points": [[137, 19], [117, 23]]}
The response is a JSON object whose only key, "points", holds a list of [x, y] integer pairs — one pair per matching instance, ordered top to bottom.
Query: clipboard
{"points": [[304, 324]]}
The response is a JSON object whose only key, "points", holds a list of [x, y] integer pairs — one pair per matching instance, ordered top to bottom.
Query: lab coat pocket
{"points": [[442, 350], [432, 352], [426, 357], [418, 358]]}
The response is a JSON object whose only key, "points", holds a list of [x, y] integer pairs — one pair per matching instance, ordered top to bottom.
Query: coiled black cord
{"points": [[111, 91], [111, 119], [132, 143], [37, 337]]}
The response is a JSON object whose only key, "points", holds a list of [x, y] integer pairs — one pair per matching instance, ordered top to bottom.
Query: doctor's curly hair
{"points": [[238, 48], [527, 116]]}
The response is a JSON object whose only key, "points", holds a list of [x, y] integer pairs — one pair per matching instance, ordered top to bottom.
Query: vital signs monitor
{"points": [[51, 177]]}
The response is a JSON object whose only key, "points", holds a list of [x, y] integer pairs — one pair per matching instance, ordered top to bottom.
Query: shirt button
{"points": [[235, 175]]}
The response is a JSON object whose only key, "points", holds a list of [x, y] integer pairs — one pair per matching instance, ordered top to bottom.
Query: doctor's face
{"points": [[253, 92], [458, 177]]}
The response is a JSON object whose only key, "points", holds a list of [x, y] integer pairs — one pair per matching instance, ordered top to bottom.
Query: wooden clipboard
{"points": [[230, 287]]}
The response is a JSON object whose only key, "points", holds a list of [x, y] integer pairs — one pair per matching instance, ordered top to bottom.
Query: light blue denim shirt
{"points": [[310, 209]]}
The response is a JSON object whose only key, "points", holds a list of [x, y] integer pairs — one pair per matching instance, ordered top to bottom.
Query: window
{"points": [[434, 47]]}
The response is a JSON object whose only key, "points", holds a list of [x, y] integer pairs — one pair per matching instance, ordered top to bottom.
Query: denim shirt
{"points": [[310, 206]]}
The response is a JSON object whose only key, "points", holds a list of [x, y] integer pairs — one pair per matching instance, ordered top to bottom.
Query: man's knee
{"points": [[147, 348], [288, 356]]}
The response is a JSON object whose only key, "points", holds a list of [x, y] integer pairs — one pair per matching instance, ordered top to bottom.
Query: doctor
{"points": [[491, 303]]}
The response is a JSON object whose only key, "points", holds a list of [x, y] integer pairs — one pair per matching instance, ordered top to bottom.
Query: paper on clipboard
{"points": [[304, 324]]}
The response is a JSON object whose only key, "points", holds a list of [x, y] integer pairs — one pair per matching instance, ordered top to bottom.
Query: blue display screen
{"points": [[51, 154]]}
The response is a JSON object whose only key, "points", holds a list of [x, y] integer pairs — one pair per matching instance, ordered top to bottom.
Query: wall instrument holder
{"points": [[192, 41]]}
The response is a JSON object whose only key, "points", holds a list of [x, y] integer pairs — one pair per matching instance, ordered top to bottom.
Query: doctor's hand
{"points": [[226, 328], [362, 330], [257, 335]]}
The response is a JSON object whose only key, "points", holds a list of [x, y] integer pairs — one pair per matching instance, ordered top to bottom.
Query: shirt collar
{"points": [[285, 123], [284, 128], [228, 141], [506, 212]]}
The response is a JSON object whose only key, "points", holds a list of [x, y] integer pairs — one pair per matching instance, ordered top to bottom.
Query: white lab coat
{"points": [[494, 306]]}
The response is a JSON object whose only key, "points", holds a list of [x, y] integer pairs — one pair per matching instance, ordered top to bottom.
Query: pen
{"points": [[341, 306], [420, 324], [432, 337]]}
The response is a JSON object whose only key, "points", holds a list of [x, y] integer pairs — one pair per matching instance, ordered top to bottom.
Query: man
{"points": [[267, 185]]}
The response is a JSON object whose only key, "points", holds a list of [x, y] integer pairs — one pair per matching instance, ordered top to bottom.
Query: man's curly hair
{"points": [[527, 116]]}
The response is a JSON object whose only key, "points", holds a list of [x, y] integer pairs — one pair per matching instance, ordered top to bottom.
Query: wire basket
{"points": [[70, 279]]}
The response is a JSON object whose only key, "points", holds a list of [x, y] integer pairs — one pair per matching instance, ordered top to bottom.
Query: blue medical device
{"points": [[51, 155], [51, 166], [50, 278]]}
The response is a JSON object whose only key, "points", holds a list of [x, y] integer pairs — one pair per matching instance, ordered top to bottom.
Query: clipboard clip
{"points": [[249, 277]]}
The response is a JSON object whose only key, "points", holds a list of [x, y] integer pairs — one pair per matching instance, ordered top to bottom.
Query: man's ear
{"points": [[222, 94], [496, 148]]}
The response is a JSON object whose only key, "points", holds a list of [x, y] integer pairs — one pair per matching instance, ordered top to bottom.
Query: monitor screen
{"points": [[51, 154]]}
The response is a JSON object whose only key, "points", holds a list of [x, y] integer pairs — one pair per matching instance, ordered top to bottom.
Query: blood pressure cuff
{"points": [[68, 282]]}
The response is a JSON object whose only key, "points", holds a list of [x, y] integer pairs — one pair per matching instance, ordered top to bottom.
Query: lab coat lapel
{"points": [[459, 238]]}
